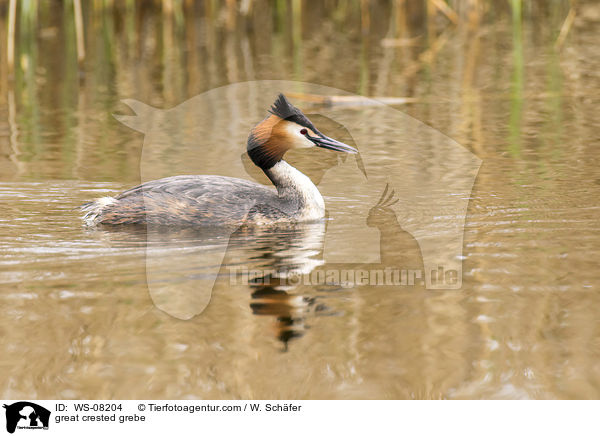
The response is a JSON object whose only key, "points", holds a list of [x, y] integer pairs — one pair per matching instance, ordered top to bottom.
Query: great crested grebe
{"points": [[218, 200]]}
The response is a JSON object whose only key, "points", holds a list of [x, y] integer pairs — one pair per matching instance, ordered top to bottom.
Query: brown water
{"points": [[95, 313]]}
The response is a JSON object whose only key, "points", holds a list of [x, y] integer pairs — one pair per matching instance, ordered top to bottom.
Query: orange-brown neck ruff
{"points": [[268, 142]]}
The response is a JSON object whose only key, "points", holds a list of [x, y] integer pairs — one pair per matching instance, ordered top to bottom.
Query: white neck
{"points": [[293, 185]]}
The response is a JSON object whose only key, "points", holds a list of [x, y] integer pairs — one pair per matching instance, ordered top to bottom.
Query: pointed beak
{"points": [[331, 144]]}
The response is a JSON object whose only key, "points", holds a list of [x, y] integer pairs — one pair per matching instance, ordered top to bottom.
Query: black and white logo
{"points": [[26, 415]]}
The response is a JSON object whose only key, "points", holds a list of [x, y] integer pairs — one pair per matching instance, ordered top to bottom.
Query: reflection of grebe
{"points": [[219, 200], [280, 259], [271, 297], [289, 310]]}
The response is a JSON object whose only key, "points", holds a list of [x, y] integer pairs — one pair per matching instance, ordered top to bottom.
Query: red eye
{"points": [[303, 131]]}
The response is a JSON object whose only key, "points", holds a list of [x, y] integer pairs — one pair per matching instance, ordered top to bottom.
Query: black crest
{"points": [[287, 111]]}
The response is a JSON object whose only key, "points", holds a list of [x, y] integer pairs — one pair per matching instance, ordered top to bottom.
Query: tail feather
{"points": [[93, 210]]}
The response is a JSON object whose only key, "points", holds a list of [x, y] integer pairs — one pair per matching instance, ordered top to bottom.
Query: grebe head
{"points": [[286, 128]]}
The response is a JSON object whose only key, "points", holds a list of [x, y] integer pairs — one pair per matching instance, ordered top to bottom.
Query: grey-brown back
{"points": [[192, 200]]}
